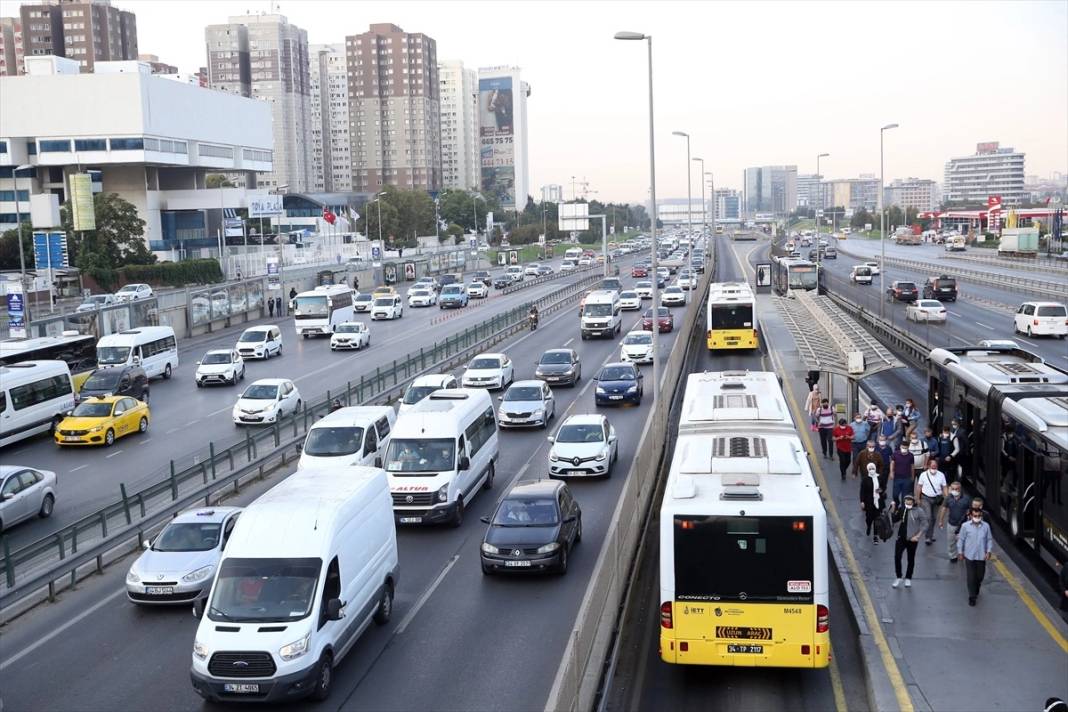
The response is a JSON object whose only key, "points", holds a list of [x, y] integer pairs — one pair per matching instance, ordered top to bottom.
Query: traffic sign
{"points": [[50, 250]]}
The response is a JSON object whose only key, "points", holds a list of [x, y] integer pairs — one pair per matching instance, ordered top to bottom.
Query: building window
{"points": [[90, 144], [127, 144], [3, 146], [55, 146]]}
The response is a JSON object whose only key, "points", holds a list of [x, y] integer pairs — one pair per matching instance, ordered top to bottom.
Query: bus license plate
{"points": [[411, 520], [732, 648], [241, 687]]}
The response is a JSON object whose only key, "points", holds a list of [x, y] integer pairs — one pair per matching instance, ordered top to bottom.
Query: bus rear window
{"points": [[732, 316], [743, 558]]}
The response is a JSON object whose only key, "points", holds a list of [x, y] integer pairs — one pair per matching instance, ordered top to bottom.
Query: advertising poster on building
{"points": [[497, 136], [81, 201], [264, 205], [409, 271], [16, 311]]}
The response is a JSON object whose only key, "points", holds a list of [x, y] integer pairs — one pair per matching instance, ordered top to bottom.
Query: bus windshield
{"points": [[802, 278], [311, 306], [731, 316], [112, 355], [420, 456], [743, 558]]}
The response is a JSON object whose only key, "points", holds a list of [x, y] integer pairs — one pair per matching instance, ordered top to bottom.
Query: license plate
{"points": [[552, 378], [615, 397], [71, 438], [576, 472], [411, 520], [517, 564], [159, 590], [745, 648], [241, 687]]}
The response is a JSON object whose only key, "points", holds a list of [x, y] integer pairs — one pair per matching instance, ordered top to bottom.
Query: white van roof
{"points": [[602, 296], [260, 327], [140, 335], [16, 374], [437, 415], [359, 416], [299, 516]]}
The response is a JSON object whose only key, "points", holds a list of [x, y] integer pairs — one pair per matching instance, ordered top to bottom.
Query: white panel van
{"points": [[602, 314], [153, 348], [34, 397], [349, 436]]}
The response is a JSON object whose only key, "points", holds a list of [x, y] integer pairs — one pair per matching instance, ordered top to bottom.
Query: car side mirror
{"points": [[198, 363], [640, 376], [500, 398], [612, 438], [551, 439], [298, 447], [378, 461], [465, 462], [9, 495], [484, 519], [146, 544], [198, 608], [333, 610]]}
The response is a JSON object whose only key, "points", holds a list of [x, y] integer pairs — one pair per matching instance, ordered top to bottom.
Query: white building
{"points": [[502, 109], [459, 126], [151, 140], [331, 148], [992, 170], [552, 193], [920, 193], [728, 204]]}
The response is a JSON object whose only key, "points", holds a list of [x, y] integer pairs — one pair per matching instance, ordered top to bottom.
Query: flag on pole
{"points": [[329, 216]]}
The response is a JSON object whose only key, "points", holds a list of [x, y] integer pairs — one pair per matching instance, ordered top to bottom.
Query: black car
{"points": [[544, 270], [482, 276], [502, 281], [943, 288], [902, 291], [559, 366], [116, 381], [619, 383], [534, 529]]}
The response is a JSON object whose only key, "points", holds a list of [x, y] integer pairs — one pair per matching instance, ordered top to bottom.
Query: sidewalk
{"points": [[925, 646]]}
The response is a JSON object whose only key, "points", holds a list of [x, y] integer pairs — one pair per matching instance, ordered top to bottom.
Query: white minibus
{"points": [[153, 348], [34, 397]]}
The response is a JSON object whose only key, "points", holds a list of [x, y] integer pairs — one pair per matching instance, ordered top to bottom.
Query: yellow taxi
{"points": [[384, 291], [101, 420]]}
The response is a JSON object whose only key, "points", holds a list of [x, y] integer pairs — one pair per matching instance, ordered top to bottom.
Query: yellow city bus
{"points": [[731, 317], [77, 350], [743, 533]]}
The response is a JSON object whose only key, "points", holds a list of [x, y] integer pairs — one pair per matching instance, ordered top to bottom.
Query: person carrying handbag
{"points": [[931, 490]]}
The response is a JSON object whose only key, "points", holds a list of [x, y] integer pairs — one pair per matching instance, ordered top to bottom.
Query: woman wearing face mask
{"points": [[912, 416], [825, 422], [868, 456], [872, 500], [954, 512]]}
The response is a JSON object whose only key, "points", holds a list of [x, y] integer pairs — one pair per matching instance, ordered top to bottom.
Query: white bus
{"points": [[319, 311], [153, 348], [743, 532]]}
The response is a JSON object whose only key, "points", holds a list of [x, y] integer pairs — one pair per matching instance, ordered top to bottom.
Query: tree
{"points": [[218, 180], [415, 211], [390, 220], [454, 231], [118, 239], [9, 248]]}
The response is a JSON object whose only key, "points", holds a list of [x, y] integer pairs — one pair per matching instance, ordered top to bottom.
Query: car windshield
{"points": [[643, 285], [906, 285], [129, 288], [452, 289], [673, 290], [418, 293], [628, 295], [364, 297], [384, 302], [930, 303], [312, 306], [597, 310], [1050, 310], [661, 312], [348, 328], [253, 336], [642, 338], [112, 354], [551, 357], [216, 358], [480, 363], [617, 373], [103, 378], [260, 391], [523, 393], [414, 394], [91, 409], [576, 433], [333, 441], [418, 456], [527, 512], [188, 536], [264, 590]]}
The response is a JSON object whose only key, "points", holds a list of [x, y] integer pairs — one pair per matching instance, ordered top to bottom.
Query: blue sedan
{"points": [[618, 383]]}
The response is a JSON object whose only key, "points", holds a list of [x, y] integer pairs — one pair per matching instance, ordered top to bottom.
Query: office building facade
{"points": [[10, 46], [394, 109], [459, 126], [331, 155], [990, 171], [770, 189], [552, 193], [920, 193], [851, 194], [728, 204]]}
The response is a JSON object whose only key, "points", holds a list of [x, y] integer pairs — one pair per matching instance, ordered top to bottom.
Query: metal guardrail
{"points": [[1035, 264], [915, 350], [62, 553]]}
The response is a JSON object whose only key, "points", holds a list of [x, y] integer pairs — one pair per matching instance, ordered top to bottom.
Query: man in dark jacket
{"points": [[868, 456], [954, 512]]}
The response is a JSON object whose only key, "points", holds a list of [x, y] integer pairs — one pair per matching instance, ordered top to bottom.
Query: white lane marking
{"points": [[980, 324], [569, 341], [1032, 343], [220, 410], [191, 423], [172, 430], [146, 440], [117, 452], [79, 467], [426, 595], [61, 629]]}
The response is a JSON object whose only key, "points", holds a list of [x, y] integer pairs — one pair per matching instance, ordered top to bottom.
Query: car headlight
{"points": [[539, 372], [632, 389], [601, 390], [539, 413], [97, 429], [552, 456], [602, 456], [443, 493], [548, 548], [489, 549], [199, 575], [132, 577], [295, 649], [200, 651]]}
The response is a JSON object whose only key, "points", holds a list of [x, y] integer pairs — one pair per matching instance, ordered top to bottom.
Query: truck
{"points": [[905, 236], [1019, 242], [954, 243]]}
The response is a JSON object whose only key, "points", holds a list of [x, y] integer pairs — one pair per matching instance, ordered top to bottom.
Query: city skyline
{"points": [[588, 109]]}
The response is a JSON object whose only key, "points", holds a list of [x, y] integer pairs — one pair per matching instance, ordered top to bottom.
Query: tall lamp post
{"points": [[652, 197], [689, 200], [474, 212], [816, 214], [882, 221], [704, 224], [22, 255]]}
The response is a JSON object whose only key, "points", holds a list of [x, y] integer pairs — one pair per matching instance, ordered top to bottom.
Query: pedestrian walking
{"points": [[356, 283], [270, 306], [812, 404], [874, 416], [912, 416], [825, 423], [891, 428], [861, 431], [843, 442], [930, 442], [918, 450], [886, 452], [868, 456], [901, 472], [931, 491], [872, 500], [954, 512], [913, 522], [975, 544]]}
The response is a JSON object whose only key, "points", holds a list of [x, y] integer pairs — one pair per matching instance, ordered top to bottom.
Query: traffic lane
{"points": [[937, 254], [185, 418], [148, 648]]}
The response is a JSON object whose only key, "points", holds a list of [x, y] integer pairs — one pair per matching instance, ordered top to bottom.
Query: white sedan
{"points": [[874, 267], [644, 289], [477, 290], [133, 292], [673, 296], [421, 297], [629, 300], [926, 310], [350, 335], [220, 366], [488, 371], [266, 401]]}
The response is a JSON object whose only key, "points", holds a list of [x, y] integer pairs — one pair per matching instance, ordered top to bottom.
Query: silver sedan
{"points": [[25, 492]]}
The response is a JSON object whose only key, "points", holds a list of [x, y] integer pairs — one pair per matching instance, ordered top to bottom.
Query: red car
{"points": [[639, 271], [666, 320]]}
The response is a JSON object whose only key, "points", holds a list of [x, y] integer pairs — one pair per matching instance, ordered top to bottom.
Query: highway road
{"points": [[185, 418], [457, 641]]}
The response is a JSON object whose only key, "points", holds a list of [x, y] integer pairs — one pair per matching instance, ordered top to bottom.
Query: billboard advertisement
{"points": [[497, 138], [81, 201], [264, 205]]}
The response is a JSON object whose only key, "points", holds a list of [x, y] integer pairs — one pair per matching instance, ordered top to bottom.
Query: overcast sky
{"points": [[754, 83]]}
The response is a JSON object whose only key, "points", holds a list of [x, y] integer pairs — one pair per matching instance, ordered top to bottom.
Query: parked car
{"points": [[477, 290], [902, 291], [133, 292], [927, 310], [1041, 319], [665, 320], [350, 335], [219, 366], [559, 366], [490, 370], [124, 380], [617, 383], [267, 400], [526, 403], [584, 446], [25, 492], [534, 528], [177, 566]]}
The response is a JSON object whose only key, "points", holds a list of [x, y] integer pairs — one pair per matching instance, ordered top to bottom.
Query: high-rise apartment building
{"points": [[88, 32], [10, 38], [264, 57], [394, 109], [502, 109], [459, 126], [331, 156], [991, 171], [770, 189], [808, 191], [552, 193], [852, 193], [920, 193], [728, 204]]}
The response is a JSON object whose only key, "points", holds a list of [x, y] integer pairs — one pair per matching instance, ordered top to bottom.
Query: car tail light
{"points": [[1036, 322], [665, 615], [823, 619]]}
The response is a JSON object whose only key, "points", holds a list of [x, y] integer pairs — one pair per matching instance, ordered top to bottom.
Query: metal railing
{"points": [[85, 543]]}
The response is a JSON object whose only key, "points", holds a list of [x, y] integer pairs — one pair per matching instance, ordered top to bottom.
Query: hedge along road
{"points": [[511, 631]]}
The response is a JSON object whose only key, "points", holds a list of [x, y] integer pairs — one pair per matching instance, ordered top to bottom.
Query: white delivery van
{"points": [[602, 314], [261, 341], [153, 348], [34, 397], [349, 436], [442, 451], [307, 568]]}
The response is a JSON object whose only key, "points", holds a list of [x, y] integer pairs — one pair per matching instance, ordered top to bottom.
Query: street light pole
{"points": [[689, 200], [816, 213], [652, 222], [704, 222], [882, 222], [22, 255]]}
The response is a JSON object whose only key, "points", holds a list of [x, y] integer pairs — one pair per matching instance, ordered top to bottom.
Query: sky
{"points": [[753, 83]]}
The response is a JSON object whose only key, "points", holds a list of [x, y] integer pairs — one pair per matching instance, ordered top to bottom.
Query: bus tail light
{"points": [[665, 615], [823, 619]]}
